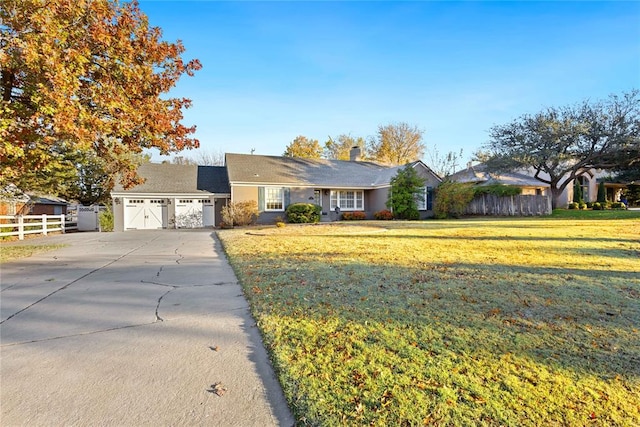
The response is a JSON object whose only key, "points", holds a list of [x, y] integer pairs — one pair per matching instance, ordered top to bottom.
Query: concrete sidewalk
{"points": [[131, 329]]}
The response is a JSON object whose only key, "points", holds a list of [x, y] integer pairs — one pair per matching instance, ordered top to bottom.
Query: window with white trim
{"points": [[274, 199], [421, 199], [347, 200]]}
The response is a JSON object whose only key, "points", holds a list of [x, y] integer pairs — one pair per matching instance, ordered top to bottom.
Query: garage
{"points": [[172, 196]]}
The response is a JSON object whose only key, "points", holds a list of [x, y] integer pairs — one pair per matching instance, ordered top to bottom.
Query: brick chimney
{"points": [[355, 154]]}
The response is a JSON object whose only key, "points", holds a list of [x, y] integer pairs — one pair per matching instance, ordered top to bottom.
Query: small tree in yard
{"points": [[406, 188], [577, 192], [602, 193], [452, 198]]}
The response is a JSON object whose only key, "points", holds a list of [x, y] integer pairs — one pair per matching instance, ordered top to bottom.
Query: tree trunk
{"points": [[556, 198]]}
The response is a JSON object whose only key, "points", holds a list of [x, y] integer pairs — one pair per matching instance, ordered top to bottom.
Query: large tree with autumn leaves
{"points": [[85, 78]]}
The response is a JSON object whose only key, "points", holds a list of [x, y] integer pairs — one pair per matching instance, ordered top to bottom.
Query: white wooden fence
{"points": [[20, 225]]}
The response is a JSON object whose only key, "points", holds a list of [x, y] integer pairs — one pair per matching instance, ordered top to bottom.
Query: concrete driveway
{"points": [[135, 328]]}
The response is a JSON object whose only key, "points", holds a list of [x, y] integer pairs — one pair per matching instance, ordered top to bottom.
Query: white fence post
{"points": [[62, 219], [44, 224], [20, 227]]}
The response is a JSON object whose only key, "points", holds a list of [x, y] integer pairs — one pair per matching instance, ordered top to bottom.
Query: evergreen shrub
{"points": [[303, 213]]}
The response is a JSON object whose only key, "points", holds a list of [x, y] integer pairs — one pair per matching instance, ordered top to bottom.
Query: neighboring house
{"points": [[478, 174], [588, 181], [354, 185], [613, 189], [172, 196], [534, 199], [15, 202], [50, 205]]}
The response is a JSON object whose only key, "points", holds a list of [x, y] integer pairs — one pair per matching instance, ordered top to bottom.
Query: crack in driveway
{"points": [[76, 280], [174, 287], [116, 328], [79, 334]]}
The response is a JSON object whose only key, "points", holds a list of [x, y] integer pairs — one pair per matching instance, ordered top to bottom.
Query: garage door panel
{"points": [[189, 213], [134, 214], [145, 214], [154, 214]]}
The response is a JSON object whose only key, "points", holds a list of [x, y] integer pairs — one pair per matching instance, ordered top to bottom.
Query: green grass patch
{"points": [[591, 214], [8, 253], [516, 322]]}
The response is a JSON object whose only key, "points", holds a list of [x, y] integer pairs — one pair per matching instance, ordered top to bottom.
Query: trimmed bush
{"points": [[573, 205], [582, 205], [618, 205], [597, 206], [303, 213], [384, 215], [354, 216]]}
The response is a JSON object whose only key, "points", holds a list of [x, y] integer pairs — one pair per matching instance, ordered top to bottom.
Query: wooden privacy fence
{"points": [[530, 205], [19, 225]]}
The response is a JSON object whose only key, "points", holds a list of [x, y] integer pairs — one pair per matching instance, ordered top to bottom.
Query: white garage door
{"points": [[189, 213], [145, 214]]}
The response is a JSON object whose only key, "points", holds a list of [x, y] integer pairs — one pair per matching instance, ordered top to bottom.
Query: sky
{"points": [[276, 70]]}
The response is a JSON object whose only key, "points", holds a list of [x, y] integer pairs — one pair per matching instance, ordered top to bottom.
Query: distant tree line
{"points": [[394, 144]]}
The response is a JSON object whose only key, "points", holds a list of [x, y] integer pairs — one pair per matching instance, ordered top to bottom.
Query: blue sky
{"points": [[275, 70]]}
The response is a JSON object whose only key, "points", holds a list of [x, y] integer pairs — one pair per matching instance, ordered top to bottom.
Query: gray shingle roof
{"points": [[249, 168], [479, 174], [169, 178], [213, 179]]}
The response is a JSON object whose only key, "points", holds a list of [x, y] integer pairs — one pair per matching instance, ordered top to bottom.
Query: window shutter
{"points": [[287, 197], [429, 198], [261, 205]]}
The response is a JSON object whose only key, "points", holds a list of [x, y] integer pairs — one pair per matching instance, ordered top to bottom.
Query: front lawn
{"points": [[591, 214], [519, 322]]}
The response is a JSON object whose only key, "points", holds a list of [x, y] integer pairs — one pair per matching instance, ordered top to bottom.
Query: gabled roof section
{"points": [[421, 164], [274, 170], [169, 179], [213, 179]]}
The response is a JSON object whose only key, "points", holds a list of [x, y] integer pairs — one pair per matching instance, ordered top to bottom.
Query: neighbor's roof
{"points": [[256, 169], [478, 174], [169, 179], [48, 200]]}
